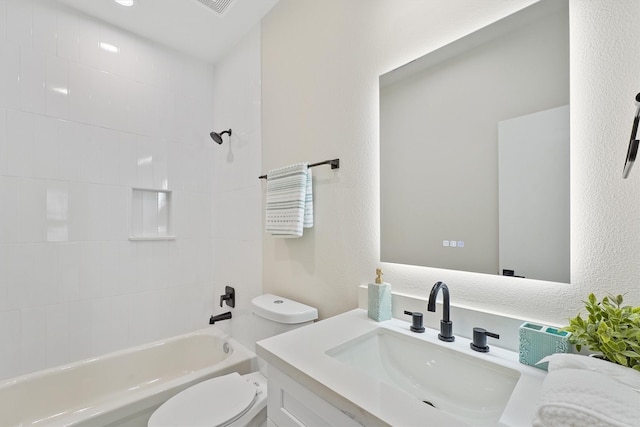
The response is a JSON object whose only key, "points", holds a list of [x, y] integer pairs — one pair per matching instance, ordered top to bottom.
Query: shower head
{"points": [[217, 137]]}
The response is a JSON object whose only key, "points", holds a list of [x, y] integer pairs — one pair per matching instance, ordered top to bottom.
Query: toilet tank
{"points": [[273, 315]]}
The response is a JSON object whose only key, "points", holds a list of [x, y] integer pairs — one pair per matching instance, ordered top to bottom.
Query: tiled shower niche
{"points": [[151, 215]]}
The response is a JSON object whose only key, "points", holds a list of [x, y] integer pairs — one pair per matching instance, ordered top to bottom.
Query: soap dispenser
{"points": [[379, 299]]}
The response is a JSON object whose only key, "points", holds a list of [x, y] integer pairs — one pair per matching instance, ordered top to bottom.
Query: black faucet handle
{"points": [[229, 296], [224, 298], [416, 320], [480, 339]]}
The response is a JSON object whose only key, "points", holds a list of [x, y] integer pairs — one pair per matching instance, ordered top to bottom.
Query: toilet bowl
{"points": [[235, 400]]}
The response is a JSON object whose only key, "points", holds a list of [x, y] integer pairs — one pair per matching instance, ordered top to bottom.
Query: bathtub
{"points": [[122, 388]]}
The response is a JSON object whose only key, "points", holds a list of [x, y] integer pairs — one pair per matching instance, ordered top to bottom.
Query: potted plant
{"points": [[611, 329]]}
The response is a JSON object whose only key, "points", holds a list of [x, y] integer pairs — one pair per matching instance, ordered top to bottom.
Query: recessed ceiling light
{"points": [[124, 2]]}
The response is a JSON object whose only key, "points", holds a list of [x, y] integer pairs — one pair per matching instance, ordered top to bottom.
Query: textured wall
{"points": [[320, 67]]}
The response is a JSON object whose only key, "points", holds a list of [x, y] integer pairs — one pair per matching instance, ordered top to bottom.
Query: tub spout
{"points": [[223, 316]]}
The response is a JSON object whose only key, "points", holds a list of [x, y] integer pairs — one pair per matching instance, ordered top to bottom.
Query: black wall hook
{"points": [[632, 151]]}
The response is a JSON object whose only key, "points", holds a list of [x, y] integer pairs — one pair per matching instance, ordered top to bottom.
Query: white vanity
{"points": [[351, 371]]}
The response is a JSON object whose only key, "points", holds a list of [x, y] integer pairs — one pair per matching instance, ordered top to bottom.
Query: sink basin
{"points": [[469, 388]]}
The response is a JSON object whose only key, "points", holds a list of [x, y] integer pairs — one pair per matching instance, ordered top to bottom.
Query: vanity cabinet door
{"points": [[289, 404]]}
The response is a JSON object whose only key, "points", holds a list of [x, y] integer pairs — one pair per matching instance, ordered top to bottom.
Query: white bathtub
{"points": [[121, 388]]}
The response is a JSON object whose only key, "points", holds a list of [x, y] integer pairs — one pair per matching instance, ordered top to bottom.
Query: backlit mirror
{"points": [[474, 151]]}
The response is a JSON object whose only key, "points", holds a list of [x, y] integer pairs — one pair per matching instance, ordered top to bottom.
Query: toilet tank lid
{"points": [[283, 310]]}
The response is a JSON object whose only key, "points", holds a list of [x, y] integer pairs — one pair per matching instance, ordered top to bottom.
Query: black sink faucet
{"points": [[446, 326]]}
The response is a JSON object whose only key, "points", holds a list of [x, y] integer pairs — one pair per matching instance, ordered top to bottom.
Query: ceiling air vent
{"points": [[218, 6]]}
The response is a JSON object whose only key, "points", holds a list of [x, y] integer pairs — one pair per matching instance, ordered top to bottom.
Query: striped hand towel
{"points": [[308, 202], [289, 204]]}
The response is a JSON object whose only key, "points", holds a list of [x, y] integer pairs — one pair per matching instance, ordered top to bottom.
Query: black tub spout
{"points": [[223, 316]]}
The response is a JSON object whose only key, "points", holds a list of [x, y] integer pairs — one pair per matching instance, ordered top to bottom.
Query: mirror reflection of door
{"points": [[533, 195]]}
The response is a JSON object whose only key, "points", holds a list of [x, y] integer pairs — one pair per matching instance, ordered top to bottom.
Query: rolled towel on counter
{"points": [[627, 376], [583, 397]]}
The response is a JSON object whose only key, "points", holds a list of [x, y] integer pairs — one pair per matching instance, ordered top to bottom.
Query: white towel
{"points": [[289, 200], [626, 376], [583, 397]]}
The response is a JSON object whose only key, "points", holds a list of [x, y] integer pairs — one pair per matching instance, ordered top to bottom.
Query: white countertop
{"points": [[301, 354]]}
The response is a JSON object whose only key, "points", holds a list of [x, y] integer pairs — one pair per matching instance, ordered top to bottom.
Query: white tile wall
{"points": [[3, 19], [18, 23], [9, 73], [32, 80], [79, 127], [3, 138], [11, 348]]}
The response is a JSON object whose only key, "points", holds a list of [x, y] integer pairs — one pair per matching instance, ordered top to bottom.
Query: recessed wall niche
{"points": [[151, 215]]}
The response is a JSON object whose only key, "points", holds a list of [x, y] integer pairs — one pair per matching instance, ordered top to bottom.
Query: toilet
{"points": [[236, 400]]}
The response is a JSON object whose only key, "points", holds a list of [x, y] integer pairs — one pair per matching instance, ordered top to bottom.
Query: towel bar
{"points": [[335, 164]]}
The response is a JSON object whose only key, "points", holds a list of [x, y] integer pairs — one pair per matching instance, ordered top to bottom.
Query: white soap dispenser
{"points": [[379, 294]]}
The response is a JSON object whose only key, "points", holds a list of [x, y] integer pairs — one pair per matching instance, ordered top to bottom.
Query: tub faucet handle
{"points": [[229, 296]]}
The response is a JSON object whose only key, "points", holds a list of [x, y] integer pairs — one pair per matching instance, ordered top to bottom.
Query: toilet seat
{"points": [[216, 402]]}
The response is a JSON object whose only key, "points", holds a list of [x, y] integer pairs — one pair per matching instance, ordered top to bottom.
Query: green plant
{"points": [[610, 329]]}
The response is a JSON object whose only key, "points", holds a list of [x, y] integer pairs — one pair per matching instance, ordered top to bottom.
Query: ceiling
{"points": [[184, 25]]}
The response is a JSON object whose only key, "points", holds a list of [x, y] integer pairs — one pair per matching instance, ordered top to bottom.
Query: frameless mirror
{"points": [[474, 151]]}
